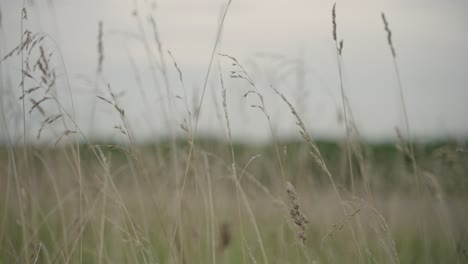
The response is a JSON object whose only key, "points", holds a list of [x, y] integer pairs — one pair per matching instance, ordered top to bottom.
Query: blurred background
{"points": [[284, 44]]}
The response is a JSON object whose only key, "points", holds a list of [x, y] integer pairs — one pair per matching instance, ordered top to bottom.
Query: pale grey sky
{"points": [[272, 39]]}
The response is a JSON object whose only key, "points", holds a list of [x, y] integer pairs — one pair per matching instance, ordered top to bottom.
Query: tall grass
{"points": [[196, 200]]}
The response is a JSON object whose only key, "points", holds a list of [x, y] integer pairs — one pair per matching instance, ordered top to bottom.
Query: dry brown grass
{"points": [[190, 200]]}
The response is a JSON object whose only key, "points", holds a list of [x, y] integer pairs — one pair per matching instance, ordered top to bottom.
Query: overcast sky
{"points": [[286, 44]]}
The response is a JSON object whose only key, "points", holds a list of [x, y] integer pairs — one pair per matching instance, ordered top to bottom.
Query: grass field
{"points": [[194, 199], [136, 204]]}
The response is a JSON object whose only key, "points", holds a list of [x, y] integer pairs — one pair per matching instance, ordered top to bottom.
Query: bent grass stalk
{"points": [[338, 51], [190, 155], [317, 156], [239, 189]]}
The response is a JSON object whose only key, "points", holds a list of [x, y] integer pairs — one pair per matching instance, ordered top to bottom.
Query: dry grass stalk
{"points": [[152, 21], [334, 22], [389, 35], [27, 39], [100, 47], [215, 47], [339, 50], [39, 71], [242, 74], [181, 78], [28, 91], [113, 103], [36, 104], [198, 108], [47, 121], [187, 122], [123, 129], [303, 131], [65, 134], [408, 146], [317, 156], [233, 159], [241, 195], [211, 214], [296, 215], [338, 226], [383, 226]]}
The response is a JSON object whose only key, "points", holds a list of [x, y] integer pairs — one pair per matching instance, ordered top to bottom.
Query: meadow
{"points": [[190, 198]]}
